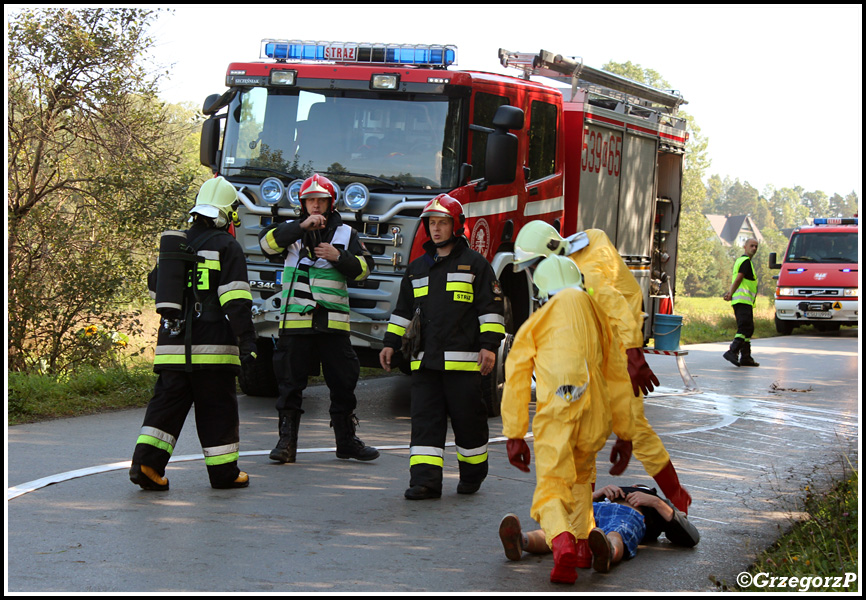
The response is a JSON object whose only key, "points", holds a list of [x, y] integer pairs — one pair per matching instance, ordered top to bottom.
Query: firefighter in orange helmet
{"points": [[321, 254], [452, 294]]}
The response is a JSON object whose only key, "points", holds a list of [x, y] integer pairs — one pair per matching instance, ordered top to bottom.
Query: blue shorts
{"points": [[626, 521]]}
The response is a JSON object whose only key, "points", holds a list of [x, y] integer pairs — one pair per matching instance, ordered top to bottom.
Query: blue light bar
{"points": [[350, 52], [840, 221]]}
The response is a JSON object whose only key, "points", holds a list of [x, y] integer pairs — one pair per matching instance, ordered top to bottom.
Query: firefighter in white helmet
{"points": [[321, 255], [614, 288], [452, 294], [206, 332], [569, 345]]}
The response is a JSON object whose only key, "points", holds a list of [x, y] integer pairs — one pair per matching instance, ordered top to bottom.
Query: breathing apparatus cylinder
{"points": [[172, 274]]}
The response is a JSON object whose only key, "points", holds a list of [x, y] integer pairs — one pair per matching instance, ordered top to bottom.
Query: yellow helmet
{"points": [[215, 199], [536, 240], [556, 273]]}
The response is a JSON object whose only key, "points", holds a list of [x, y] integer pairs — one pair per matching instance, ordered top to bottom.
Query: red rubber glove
{"points": [[642, 377], [518, 454], [620, 455]]}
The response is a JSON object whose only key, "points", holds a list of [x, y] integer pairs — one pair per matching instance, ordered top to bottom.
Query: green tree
{"points": [[94, 172], [818, 204], [846, 206], [787, 208]]}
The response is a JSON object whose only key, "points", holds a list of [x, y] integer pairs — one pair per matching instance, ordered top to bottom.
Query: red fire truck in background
{"points": [[393, 126], [818, 283]]}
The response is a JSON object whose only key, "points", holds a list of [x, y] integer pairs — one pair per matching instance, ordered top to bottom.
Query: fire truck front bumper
{"points": [[845, 311]]}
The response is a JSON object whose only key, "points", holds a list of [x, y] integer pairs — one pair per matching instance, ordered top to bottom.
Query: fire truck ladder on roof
{"points": [[630, 95]]}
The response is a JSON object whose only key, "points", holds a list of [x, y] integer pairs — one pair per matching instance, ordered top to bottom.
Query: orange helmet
{"points": [[318, 186], [444, 205]]}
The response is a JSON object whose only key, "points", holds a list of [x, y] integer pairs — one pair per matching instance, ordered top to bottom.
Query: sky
{"points": [[777, 89]]}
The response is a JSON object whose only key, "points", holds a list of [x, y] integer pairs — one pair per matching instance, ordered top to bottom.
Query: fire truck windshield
{"points": [[409, 139], [824, 247]]}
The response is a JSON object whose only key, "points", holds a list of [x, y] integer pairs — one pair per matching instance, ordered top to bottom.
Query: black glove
{"points": [[248, 354]]}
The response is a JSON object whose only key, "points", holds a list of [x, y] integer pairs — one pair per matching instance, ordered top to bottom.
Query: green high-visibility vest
{"points": [[747, 293]]}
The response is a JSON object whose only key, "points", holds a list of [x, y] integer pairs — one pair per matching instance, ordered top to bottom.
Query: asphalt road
{"points": [[746, 445]]}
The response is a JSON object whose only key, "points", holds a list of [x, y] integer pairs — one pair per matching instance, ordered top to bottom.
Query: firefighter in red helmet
{"points": [[321, 255], [450, 306]]}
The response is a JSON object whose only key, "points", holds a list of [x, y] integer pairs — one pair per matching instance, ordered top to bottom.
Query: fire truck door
{"points": [[637, 192]]}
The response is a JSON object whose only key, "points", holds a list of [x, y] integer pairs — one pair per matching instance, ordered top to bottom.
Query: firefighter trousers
{"points": [[297, 356], [436, 396], [216, 420]]}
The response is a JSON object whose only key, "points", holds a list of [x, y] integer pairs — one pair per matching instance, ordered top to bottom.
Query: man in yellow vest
{"points": [[742, 296]]}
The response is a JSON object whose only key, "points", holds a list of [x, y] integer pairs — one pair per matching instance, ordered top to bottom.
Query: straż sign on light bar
{"points": [[347, 53]]}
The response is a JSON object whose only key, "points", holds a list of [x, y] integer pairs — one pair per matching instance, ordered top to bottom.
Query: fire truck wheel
{"points": [[784, 327], [257, 378], [492, 384]]}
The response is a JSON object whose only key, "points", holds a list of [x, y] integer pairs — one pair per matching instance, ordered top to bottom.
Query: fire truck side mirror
{"points": [[207, 107], [210, 137], [501, 157], [773, 263]]}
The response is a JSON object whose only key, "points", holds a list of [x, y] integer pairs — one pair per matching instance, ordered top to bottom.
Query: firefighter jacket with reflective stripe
{"points": [[747, 292], [315, 296], [461, 309], [220, 320]]}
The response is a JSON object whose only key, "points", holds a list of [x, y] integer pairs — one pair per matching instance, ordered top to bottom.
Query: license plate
{"points": [[818, 314]]}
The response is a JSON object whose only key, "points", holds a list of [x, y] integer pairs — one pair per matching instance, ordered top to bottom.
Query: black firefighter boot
{"points": [[732, 355], [746, 359], [348, 445], [287, 447]]}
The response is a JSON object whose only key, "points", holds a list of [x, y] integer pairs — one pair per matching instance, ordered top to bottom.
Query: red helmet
{"points": [[318, 186], [444, 205]]}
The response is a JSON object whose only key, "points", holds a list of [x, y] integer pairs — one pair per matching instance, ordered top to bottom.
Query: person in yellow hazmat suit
{"points": [[614, 288], [573, 351]]}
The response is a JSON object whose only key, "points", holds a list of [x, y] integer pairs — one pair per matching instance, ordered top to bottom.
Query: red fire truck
{"points": [[395, 125], [818, 282]]}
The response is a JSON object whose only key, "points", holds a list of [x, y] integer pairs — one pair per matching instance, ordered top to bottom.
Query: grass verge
{"points": [[712, 320], [37, 397], [819, 553]]}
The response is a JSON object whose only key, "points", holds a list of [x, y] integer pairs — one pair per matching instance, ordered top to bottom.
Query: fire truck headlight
{"points": [[283, 77], [385, 82], [272, 190], [294, 190], [356, 196], [784, 291], [851, 292]]}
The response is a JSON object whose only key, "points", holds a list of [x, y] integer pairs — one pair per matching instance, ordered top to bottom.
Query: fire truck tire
{"points": [[784, 327], [258, 379], [492, 384]]}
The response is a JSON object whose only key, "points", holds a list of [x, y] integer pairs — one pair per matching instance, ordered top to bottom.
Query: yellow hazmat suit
{"points": [[614, 288], [573, 351]]}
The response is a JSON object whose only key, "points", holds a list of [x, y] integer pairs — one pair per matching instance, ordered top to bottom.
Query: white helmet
{"points": [[215, 199], [556, 273]]}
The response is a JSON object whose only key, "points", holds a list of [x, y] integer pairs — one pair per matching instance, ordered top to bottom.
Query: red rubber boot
{"points": [[671, 488], [564, 559]]}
